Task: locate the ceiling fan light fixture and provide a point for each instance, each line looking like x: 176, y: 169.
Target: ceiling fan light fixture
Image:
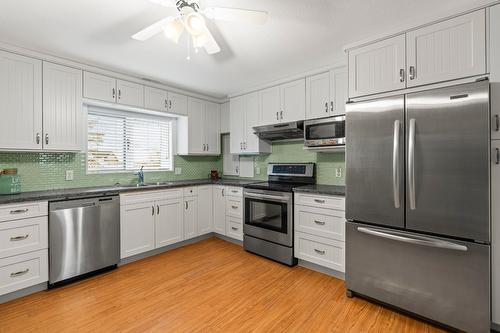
x: 195, y: 23
x: 200, y: 40
x: 173, y: 30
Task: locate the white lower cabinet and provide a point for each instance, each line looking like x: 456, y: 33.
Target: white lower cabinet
x: 234, y: 228
x: 137, y: 228
x: 190, y: 217
x: 234, y: 212
x: 219, y: 209
x: 169, y: 224
x: 205, y: 211
x: 24, y: 270
x: 320, y: 230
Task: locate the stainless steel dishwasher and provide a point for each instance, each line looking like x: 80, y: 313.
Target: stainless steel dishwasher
x: 84, y: 237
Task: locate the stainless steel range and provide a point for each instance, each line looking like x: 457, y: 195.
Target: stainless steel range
x: 268, y: 211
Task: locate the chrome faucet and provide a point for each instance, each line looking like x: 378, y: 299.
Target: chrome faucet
x: 140, y: 173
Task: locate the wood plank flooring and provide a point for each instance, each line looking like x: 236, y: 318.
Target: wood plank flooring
x: 210, y: 286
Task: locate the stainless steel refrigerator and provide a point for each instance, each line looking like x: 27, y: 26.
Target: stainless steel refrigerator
x: 418, y: 203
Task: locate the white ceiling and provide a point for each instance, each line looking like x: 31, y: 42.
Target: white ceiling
x: 299, y: 36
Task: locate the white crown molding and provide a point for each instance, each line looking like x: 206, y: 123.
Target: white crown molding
x: 99, y: 69
x: 422, y: 22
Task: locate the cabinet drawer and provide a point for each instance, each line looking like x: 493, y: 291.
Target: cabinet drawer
x: 234, y: 207
x: 17, y: 237
x: 234, y: 191
x: 320, y: 201
x: 190, y: 191
x: 319, y: 250
x: 23, y: 271
x: 149, y: 196
x: 234, y: 228
x: 23, y: 210
x: 321, y: 222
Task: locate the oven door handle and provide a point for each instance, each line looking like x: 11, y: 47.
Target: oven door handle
x: 267, y: 196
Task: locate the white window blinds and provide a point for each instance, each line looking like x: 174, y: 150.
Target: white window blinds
x: 125, y: 141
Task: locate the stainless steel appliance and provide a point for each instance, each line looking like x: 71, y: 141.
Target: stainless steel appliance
x: 268, y: 211
x: 283, y: 131
x: 325, y: 133
x: 418, y: 203
x: 84, y: 236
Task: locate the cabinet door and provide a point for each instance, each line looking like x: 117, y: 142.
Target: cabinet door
x: 178, y: 103
x: 63, y: 125
x: 236, y: 124
x: 494, y: 43
x: 318, y: 96
x: 219, y: 209
x: 100, y: 87
x: 130, y: 93
x: 155, y: 99
x: 338, y: 93
x: 169, y: 222
x: 20, y: 102
x: 252, y: 118
x: 377, y: 67
x: 137, y: 228
x: 196, y: 126
x: 190, y: 217
x: 230, y: 162
x: 224, y: 117
x: 293, y: 101
x: 205, y: 213
x: 449, y: 50
x: 271, y: 105
x: 495, y: 232
x: 212, y: 128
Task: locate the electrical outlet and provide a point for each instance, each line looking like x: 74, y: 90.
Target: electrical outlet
x: 257, y: 171
x: 69, y: 174
x: 178, y: 171
x: 338, y: 172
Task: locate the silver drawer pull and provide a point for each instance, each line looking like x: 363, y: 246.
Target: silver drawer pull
x: 234, y: 191
x: 234, y: 228
x: 19, y: 211
x: 319, y: 222
x: 234, y: 207
x: 319, y: 201
x: 319, y: 251
x: 16, y: 274
x: 18, y: 238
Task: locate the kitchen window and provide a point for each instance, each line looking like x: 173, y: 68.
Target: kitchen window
x: 124, y: 141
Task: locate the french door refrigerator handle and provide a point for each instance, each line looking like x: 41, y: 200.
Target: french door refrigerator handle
x: 421, y: 240
x: 395, y: 164
x: 411, y: 164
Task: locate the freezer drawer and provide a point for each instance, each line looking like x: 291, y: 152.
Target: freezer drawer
x: 444, y: 280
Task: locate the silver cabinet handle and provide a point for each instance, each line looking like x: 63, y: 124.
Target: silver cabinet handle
x: 319, y: 251
x: 187, y: 205
x: 222, y: 192
x: 326, y: 107
x: 331, y: 106
x: 241, y: 145
x: 166, y: 103
x: 277, y: 117
x: 413, y: 73
x: 395, y: 164
x: 497, y: 160
x: 152, y: 210
x: 281, y: 114
x: 113, y: 91
x: 319, y: 201
x: 319, y: 222
x: 19, y: 211
x: 411, y: 164
x: 119, y: 93
x: 234, y: 191
x: 234, y: 228
x: 497, y: 123
x: 208, y: 147
x: 18, y: 238
x: 237, y: 170
x: 417, y: 240
x: 401, y: 75
x: 37, y: 138
x: 16, y: 274
x: 170, y: 104
x: 234, y: 207
x: 158, y: 209
x: 47, y: 138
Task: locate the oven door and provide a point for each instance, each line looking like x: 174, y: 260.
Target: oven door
x: 324, y: 132
x: 268, y: 215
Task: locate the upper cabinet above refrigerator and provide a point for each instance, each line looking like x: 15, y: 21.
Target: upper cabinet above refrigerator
x: 448, y: 50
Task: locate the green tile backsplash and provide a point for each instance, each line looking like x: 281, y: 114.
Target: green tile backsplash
x: 45, y: 171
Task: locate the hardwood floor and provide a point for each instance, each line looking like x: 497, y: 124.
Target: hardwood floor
x: 211, y: 286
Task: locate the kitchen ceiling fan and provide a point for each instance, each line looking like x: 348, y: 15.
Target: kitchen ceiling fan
x: 191, y: 17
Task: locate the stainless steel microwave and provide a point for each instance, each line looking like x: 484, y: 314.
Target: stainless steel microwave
x: 325, y: 132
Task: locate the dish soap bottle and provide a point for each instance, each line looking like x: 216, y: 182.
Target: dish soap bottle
x: 10, y: 181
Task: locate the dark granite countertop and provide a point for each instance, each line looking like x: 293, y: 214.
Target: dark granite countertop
x: 72, y: 193
x: 321, y: 189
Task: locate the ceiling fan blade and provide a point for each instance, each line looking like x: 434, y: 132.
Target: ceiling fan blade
x: 153, y: 29
x: 211, y: 45
x: 234, y: 14
x: 165, y: 3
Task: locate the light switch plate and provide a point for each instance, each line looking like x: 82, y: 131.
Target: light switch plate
x: 338, y: 172
x: 257, y: 171
x: 178, y: 171
x: 69, y: 174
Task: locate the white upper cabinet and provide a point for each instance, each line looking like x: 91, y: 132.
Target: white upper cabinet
x: 63, y: 119
x: 252, y: 118
x: 326, y: 93
x: 452, y: 49
x: 271, y: 105
x: 196, y: 125
x: 177, y: 103
x: 155, y: 99
x: 211, y: 128
x: 236, y: 124
x: 230, y: 162
x: 224, y: 117
x: 205, y: 210
x: 99, y: 87
x: 20, y: 102
x: 130, y: 93
x: 495, y: 44
x: 377, y: 67
x: 293, y: 101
